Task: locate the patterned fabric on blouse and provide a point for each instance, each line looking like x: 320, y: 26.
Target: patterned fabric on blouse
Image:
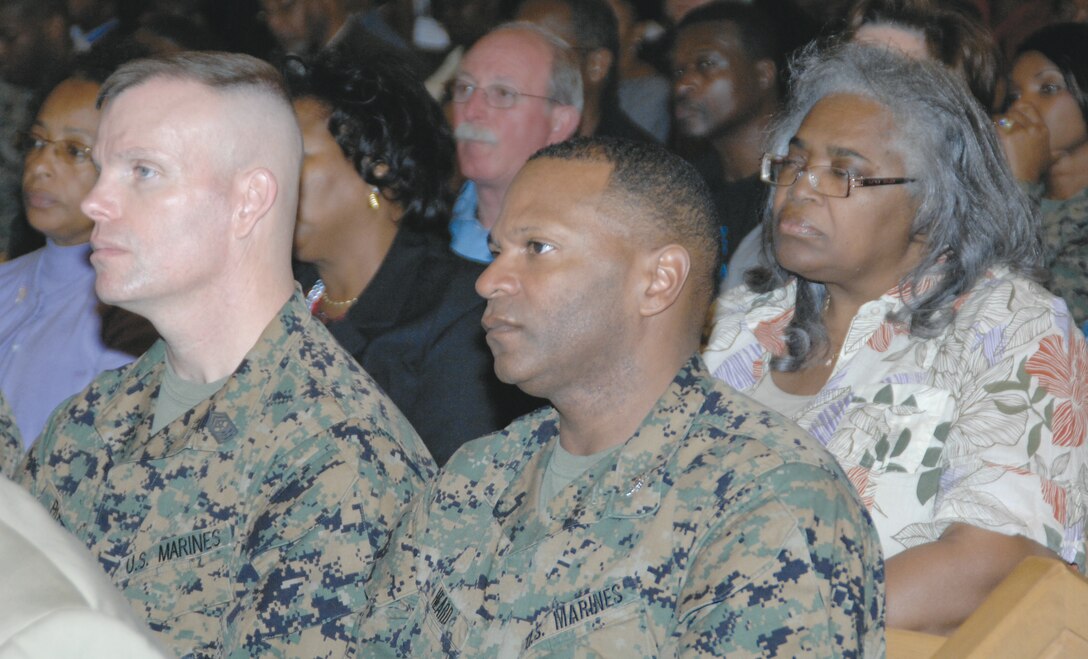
x: 984, y: 424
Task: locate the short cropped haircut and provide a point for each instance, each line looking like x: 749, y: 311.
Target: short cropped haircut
x: 217, y: 70
x: 386, y: 123
x: 565, y: 81
x: 755, y: 28
x: 971, y: 213
x: 658, y: 196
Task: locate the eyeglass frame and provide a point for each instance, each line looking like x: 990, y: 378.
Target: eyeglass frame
x: 487, y: 94
x: 853, y: 180
x: 73, y: 152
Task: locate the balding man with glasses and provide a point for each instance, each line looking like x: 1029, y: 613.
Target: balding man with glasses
x: 517, y: 90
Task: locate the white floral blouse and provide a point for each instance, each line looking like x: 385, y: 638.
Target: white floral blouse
x: 984, y: 424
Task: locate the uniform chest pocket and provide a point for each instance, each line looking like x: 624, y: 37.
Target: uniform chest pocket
x: 893, y: 427
x: 182, y: 586
x: 582, y: 628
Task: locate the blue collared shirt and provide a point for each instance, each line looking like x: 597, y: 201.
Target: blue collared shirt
x: 50, y: 332
x: 468, y: 237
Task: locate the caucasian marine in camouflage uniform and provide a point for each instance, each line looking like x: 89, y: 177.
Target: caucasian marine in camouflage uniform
x: 237, y: 481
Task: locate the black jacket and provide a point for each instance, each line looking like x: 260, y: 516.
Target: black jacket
x: 416, y: 330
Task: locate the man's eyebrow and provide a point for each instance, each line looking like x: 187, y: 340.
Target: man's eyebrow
x: 137, y: 152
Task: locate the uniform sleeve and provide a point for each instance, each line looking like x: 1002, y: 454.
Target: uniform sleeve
x: 1015, y: 460
x: 11, y: 442
x: 792, y: 568
x: 394, y: 614
x: 31, y: 472
x: 310, y: 551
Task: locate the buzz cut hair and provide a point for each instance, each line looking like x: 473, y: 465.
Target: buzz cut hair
x: 657, y: 196
x: 221, y: 71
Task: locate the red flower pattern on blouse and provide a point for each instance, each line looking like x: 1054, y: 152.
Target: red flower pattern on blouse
x: 859, y: 478
x: 771, y: 333
x: 1055, y: 495
x: 881, y: 339
x: 1054, y: 366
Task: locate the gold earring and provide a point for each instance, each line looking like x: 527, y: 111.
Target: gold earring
x: 373, y: 198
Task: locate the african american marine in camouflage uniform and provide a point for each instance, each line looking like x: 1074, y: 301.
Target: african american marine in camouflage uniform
x: 651, y: 511
x: 236, y: 481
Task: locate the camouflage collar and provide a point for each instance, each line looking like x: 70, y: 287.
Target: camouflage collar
x: 125, y: 422
x: 626, y: 485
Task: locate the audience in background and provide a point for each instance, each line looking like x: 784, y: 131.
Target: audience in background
x: 726, y: 86
x: 642, y: 90
x: 34, y: 46
x: 52, y: 334
x: 465, y: 21
x: 34, y: 50
x: 518, y: 89
x: 304, y: 27
x: 165, y: 34
x: 1045, y: 135
x: 901, y: 325
x: 676, y: 10
x: 589, y: 27
x: 945, y: 32
x: 372, y: 233
x: 91, y: 20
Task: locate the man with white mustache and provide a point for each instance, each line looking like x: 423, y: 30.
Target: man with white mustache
x: 517, y: 90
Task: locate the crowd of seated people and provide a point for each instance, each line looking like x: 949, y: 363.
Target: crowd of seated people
x: 412, y: 329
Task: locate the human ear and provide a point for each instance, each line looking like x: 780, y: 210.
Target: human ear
x: 565, y: 119
x: 258, y: 190
x: 766, y: 74
x: 668, y: 268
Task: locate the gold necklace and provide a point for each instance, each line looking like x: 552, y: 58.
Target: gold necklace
x: 338, y: 304
x: 318, y: 302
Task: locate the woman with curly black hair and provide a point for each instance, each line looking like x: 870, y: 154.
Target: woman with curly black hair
x: 371, y: 239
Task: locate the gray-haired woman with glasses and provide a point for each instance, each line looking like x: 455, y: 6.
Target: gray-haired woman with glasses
x: 898, y: 319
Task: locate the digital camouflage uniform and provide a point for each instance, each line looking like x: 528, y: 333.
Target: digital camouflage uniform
x: 248, y: 526
x: 1065, y: 230
x: 11, y: 443
x: 719, y: 529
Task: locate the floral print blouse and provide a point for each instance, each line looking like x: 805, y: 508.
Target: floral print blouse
x: 984, y: 424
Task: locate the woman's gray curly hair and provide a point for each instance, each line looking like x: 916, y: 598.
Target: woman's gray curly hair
x: 972, y: 214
